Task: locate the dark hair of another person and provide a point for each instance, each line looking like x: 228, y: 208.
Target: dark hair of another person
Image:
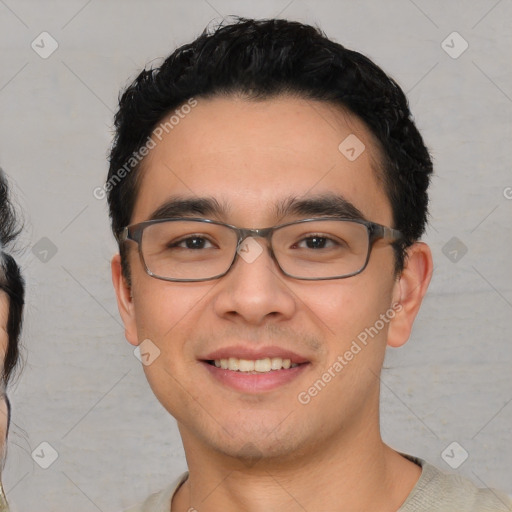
x: 11, y: 280
x: 260, y: 59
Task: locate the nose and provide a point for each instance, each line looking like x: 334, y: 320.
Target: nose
x: 254, y: 291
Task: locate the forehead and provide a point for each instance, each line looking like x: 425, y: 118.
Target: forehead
x: 252, y: 155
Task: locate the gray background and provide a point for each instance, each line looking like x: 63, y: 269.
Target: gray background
x: 83, y: 391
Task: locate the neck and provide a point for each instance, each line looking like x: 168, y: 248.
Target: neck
x: 353, y: 471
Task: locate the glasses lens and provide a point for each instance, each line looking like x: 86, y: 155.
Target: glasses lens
x: 321, y: 249
x: 188, y: 249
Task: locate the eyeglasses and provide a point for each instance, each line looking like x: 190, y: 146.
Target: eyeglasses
x: 196, y: 249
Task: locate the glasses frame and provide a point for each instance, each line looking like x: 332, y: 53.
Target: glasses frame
x: 375, y: 232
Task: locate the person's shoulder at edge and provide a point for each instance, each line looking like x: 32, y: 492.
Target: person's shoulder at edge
x: 446, y: 492
x: 160, y: 501
x: 435, y: 491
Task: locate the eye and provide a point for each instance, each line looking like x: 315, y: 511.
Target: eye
x: 317, y: 242
x: 193, y: 242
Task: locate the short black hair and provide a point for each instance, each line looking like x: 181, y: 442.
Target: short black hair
x: 261, y: 59
x: 11, y: 279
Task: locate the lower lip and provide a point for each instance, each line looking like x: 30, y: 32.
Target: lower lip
x: 253, y: 383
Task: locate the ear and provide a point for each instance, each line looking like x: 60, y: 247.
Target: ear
x: 408, y: 292
x: 124, y: 301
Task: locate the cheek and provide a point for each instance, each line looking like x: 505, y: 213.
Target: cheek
x: 167, y: 315
x: 347, y: 307
x: 167, y: 311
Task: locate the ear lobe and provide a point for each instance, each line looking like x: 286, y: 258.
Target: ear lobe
x: 124, y: 301
x: 409, y: 291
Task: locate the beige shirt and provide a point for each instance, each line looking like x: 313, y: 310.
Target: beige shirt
x: 435, y: 491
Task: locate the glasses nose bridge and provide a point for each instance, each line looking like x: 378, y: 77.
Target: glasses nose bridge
x: 244, y: 233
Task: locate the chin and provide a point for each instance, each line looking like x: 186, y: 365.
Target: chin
x: 253, y: 451
x: 254, y: 443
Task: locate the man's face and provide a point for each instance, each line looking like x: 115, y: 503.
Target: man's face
x: 252, y: 157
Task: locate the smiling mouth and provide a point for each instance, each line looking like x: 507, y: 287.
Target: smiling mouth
x: 253, y: 366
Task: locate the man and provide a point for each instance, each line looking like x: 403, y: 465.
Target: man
x: 268, y: 190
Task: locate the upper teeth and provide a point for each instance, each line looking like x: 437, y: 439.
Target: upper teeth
x: 258, y: 365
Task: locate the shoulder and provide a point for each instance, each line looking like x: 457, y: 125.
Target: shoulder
x: 160, y: 501
x: 444, y: 492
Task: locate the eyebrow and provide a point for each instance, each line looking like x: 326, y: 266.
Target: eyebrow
x: 324, y: 205
x: 178, y: 206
